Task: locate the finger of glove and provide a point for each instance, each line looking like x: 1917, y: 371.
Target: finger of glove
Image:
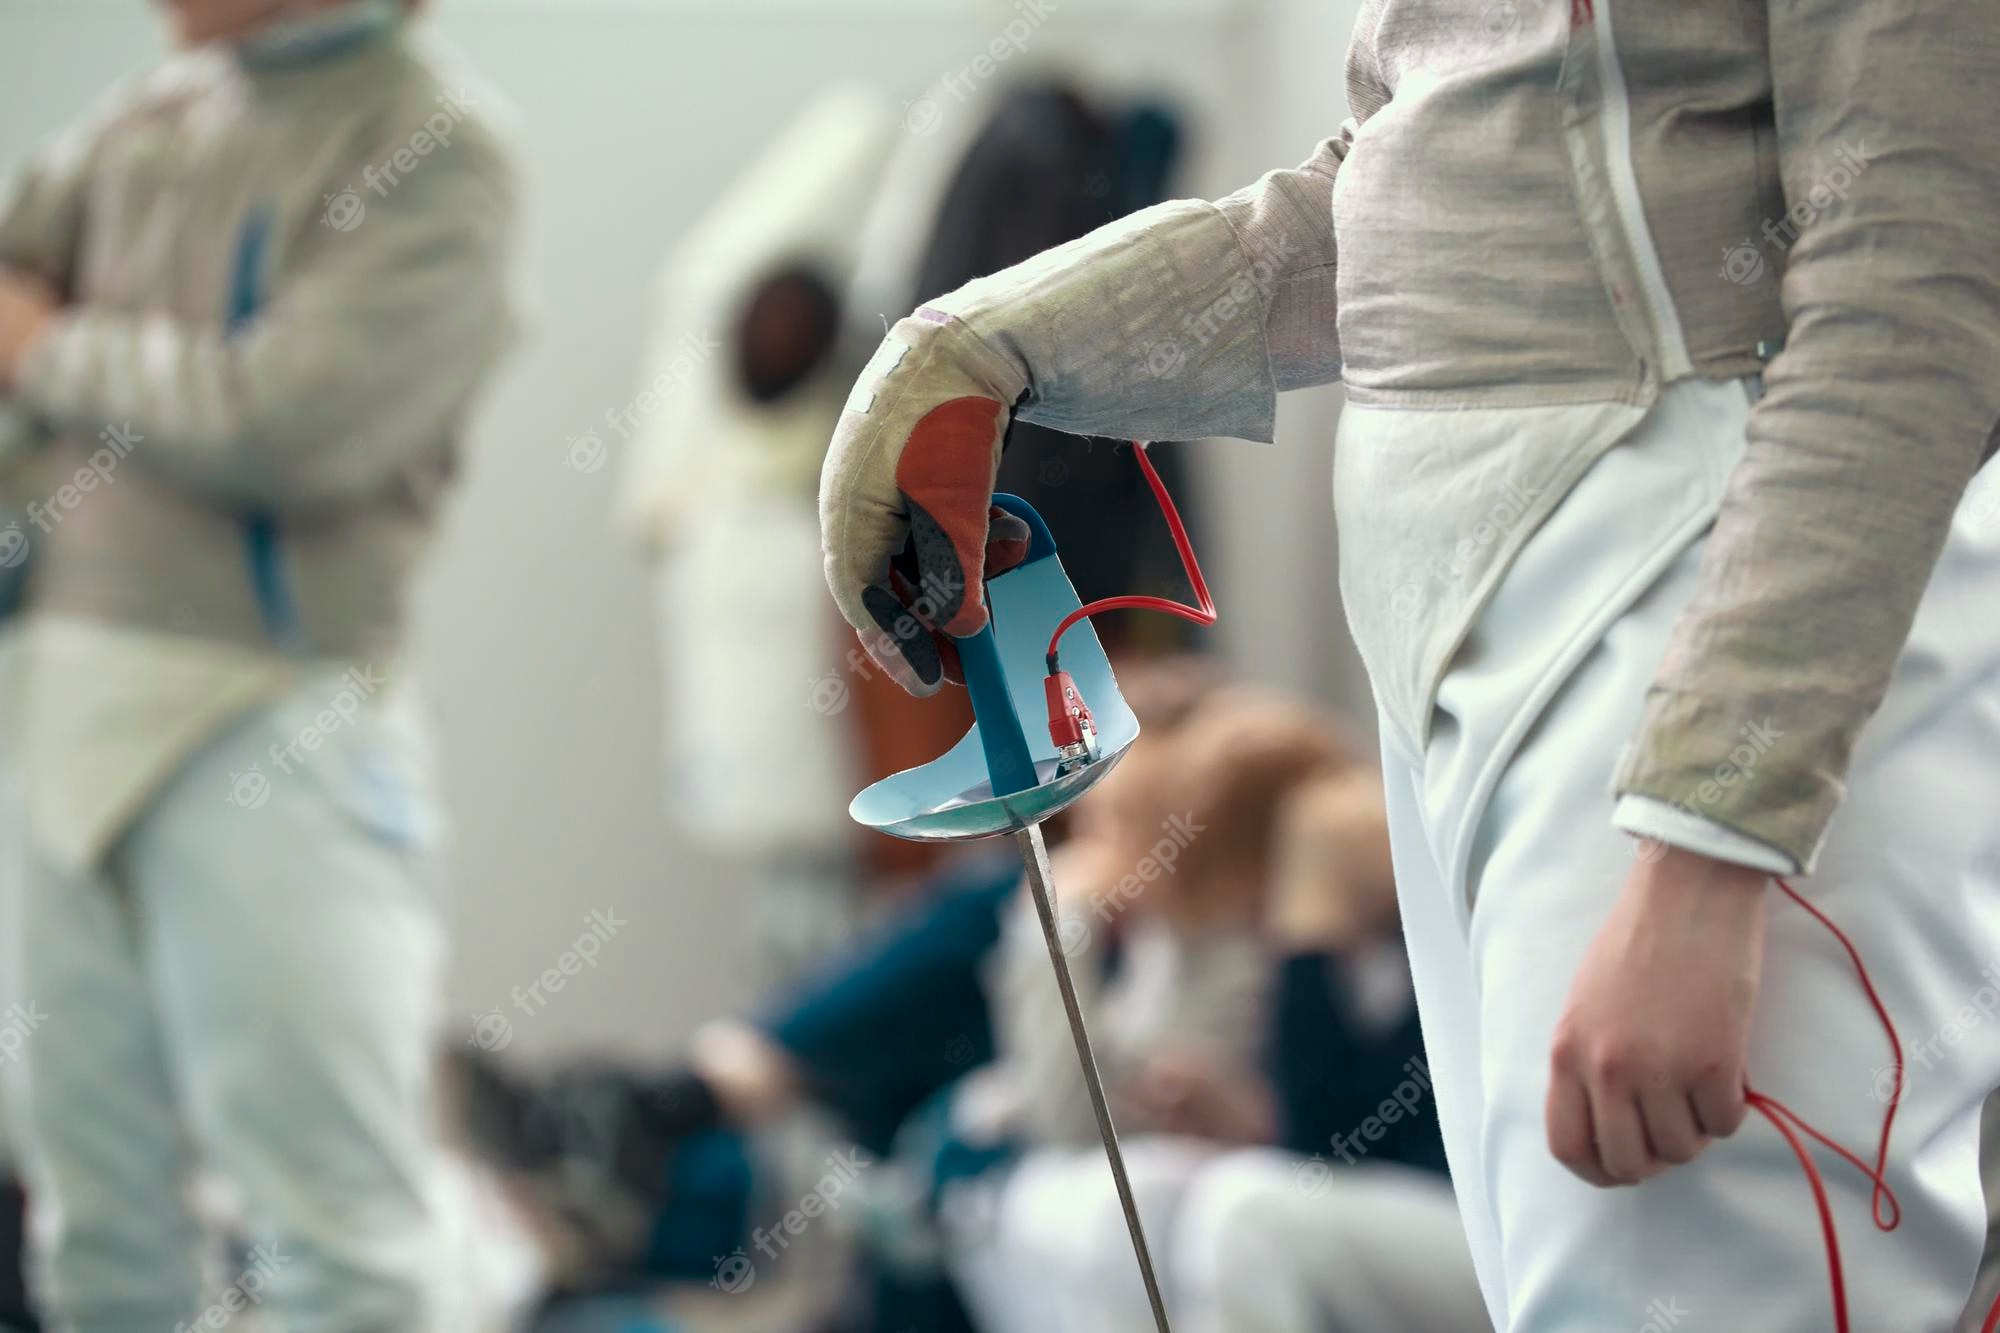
x: 900, y: 642
x: 1007, y: 541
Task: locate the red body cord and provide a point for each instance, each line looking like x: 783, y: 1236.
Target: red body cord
x: 1789, y: 1123
x: 1785, y: 1120
x: 1202, y: 613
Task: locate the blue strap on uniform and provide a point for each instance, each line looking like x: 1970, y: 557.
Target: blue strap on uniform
x: 263, y: 548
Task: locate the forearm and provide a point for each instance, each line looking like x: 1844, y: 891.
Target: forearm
x: 356, y: 364
x: 277, y: 417
x: 1183, y: 320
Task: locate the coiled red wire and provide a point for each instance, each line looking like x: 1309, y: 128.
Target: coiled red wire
x: 1202, y: 613
x: 1884, y: 1209
x: 1790, y: 1124
x: 1786, y: 1121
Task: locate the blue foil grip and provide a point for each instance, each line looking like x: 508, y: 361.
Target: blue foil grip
x: 1005, y: 744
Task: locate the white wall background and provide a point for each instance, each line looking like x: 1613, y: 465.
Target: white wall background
x: 538, y: 643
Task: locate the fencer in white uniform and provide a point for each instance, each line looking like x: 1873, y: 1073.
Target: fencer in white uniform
x: 246, y: 304
x: 1668, y: 338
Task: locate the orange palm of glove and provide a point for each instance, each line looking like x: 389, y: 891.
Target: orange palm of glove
x: 958, y: 538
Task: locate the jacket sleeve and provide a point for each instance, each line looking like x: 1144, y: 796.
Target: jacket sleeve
x: 1180, y: 321
x: 42, y: 204
x: 365, y: 354
x: 41, y: 232
x: 1877, y: 413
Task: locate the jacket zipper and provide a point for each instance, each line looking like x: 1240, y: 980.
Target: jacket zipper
x: 1669, y: 341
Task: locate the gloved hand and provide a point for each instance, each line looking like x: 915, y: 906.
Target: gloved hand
x: 1088, y: 338
x: 906, y: 496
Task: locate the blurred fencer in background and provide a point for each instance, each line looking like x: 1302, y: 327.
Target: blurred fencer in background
x: 244, y: 307
x: 1257, y: 1011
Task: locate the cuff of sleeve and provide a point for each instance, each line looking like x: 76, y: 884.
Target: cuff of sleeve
x: 1765, y: 773
x: 1657, y: 822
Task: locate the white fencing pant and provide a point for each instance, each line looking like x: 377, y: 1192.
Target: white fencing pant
x: 1243, y: 1241
x: 1042, y: 1247
x: 1507, y: 865
x: 1270, y: 1243
x: 253, y: 983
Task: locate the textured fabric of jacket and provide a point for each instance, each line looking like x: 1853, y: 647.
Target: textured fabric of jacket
x: 1540, y: 204
x: 286, y: 284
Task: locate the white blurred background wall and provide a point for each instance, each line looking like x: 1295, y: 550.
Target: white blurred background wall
x: 537, y: 640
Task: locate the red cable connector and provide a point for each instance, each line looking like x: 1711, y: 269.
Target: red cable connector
x: 1070, y: 723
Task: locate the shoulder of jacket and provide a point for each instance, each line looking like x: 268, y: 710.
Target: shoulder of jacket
x: 159, y: 91
x: 432, y: 79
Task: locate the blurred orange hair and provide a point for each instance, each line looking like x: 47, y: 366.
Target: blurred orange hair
x: 1240, y: 757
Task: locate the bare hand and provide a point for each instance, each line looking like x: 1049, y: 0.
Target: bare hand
x: 27, y: 306
x: 1651, y: 1053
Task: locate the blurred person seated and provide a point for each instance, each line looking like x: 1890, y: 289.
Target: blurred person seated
x: 640, y: 1176
x: 1333, y: 1214
x: 884, y: 1037
x: 1165, y: 892
x: 1349, y: 1226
